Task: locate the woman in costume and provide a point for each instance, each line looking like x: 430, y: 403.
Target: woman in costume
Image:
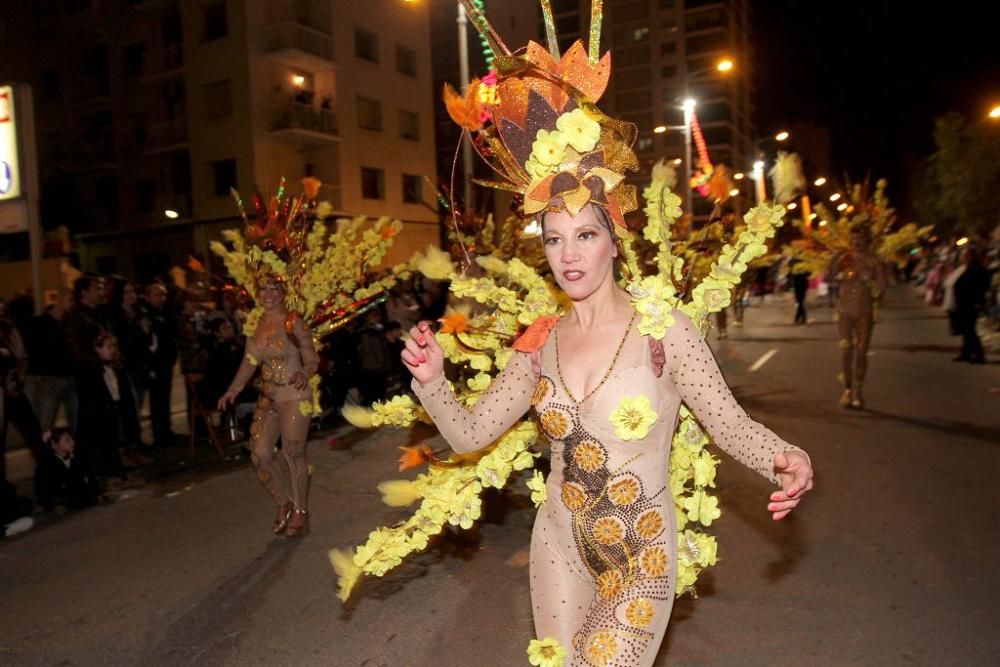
x: 283, y: 349
x: 861, y: 278
x: 604, y: 546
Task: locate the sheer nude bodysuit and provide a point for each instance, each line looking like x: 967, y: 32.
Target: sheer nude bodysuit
x: 860, y: 276
x: 280, y: 357
x: 604, y: 544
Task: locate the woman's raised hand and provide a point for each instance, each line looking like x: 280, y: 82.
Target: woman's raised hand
x: 796, y: 476
x: 422, y: 354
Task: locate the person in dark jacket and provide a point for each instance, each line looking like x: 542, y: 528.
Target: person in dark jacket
x: 970, y: 300
x: 163, y: 356
x: 62, y: 477
x: 107, y: 412
x: 50, y: 382
x: 86, y: 320
x: 133, y: 331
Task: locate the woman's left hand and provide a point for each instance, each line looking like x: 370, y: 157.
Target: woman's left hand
x: 796, y: 476
x: 299, y: 380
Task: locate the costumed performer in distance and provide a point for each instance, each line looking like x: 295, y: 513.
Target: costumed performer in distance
x: 283, y: 349
x: 604, y: 544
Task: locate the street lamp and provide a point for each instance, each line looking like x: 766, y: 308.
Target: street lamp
x: 842, y: 207
x: 725, y: 65
x: 739, y: 175
x: 734, y: 192
x: 173, y: 215
x: 659, y: 129
x: 819, y: 181
x: 995, y: 112
x: 792, y: 206
x: 689, y: 105
x: 781, y: 136
x: 835, y: 196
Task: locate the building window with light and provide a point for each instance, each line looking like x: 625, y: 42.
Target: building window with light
x: 412, y: 189
x: 223, y: 176
x: 215, y: 21
x: 372, y: 183
x: 409, y: 125
x: 366, y: 45
x: 369, y: 114
x: 406, y: 61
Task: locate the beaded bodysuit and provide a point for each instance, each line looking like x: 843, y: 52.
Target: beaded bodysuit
x: 604, y: 544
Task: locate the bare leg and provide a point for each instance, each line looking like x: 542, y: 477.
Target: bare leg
x: 263, y: 436
x: 294, y: 435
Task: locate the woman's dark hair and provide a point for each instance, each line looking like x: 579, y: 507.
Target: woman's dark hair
x: 618, y: 264
x: 54, y: 435
x: 118, y: 285
x: 83, y: 284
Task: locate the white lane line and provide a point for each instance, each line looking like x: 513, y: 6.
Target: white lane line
x: 763, y: 360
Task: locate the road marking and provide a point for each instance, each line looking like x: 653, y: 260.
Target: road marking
x: 763, y: 360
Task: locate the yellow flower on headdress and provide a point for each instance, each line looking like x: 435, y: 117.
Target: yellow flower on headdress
x: 633, y: 418
x: 537, y: 170
x: 548, y: 147
x: 580, y: 130
x: 539, y: 494
x: 702, y: 507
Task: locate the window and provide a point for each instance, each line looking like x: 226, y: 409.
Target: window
x: 644, y: 145
x: 216, y: 23
x: 406, y: 61
x: 715, y: 41
x: 668, y: 25
x: 180, y: 173
x: 170, y: 30
x: 366, y: 45
x: 145, y: 196
x: 639, y: 99
x: 372, y: 183
x: 637, y: 55
x: 369, y: 114
x: 412, y: 189
x: 713, y: 18
x: 135, y: 56
x: 632, y: 12
x: 632, y: 78
x: 668, y: 48
x: 409, y: 125
x: 223, y: 176
x: 218, y: 99
x: 668, y: 72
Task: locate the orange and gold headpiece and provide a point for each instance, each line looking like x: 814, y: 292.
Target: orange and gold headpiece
x: 535, y: 122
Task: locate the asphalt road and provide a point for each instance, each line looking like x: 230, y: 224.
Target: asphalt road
x: 890, y: 561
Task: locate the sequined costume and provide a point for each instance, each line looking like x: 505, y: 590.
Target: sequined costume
x: 861, y: 278
x: 279, y: 411
x: 603, y: 549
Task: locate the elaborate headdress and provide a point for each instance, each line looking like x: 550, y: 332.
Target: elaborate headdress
x: 535, y: 122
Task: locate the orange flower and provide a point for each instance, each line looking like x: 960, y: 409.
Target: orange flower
x: 624, y: 491
x: 541, y: 389
x: 416, y: 456
x: 573, y: 496
x: 589, y: 455
x: 608, y: 531
x: 639, y: 613
x: 454, y: 323
x: 654, y: 561
x: 311, y: 186
x: 649, y: 524
x: 466, y: 111
x: 195, y: 265
x: 609, y: 584
x: 388, y: 232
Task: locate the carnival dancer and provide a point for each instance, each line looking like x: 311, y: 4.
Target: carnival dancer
x: 861, y: 278
x: 604, y: 545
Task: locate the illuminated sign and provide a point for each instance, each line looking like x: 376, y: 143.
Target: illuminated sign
x: 10, y: 181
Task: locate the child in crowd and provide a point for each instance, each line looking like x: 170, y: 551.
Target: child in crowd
x: 62, y: 477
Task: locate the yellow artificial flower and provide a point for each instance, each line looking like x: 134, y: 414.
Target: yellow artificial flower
x: 589, y: 455
x: 305, y: 408
x: 649, y: 524
x: 537, y: 170
x: 602, y: 648
x: 494, y: 471
x: 702, y: 507
x: 398, y: 492
x: 579, y: 130
x: 652, y: 297
x: 639, y: 613
x: 704, y: 470
x: 492, y: 264
x: 763, y: 219
x: 383, y: 551
x: 347, y: 572
x: 608, y: 531
x: 480, y: 382
x: 696, y: 548
x: 399, y: 411
x: 548, y: 148
x: 633, y: 418
x: 539, y: 493
x: 252, y: 360
x: 686, y: 576
x: 546, y: 653
x: 712, y: 295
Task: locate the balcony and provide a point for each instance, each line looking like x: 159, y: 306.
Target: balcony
x: 306, y: 124
x: 299, y: 46
x: 166, y: 136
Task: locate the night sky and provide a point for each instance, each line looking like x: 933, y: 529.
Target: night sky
x: 876, y: 73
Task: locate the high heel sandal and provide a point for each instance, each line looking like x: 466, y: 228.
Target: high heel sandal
x: 281, y: 520
x: 298, y: 523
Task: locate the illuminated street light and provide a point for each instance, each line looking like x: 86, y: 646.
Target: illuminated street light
x: 734, y: 192
x: 298, y: 80
x: 835, y: 196
x: 822, y: 223
x: 995, y: 112
x: 819, y: 181
x: 962, y: 241
x: 659, y: 129
x: 758, y: 165
x: 725, y: 65
x: 812, y: 216
x: 738, y: 176
x: 689, y: 104
x: 678, y: 162
x: 842, y: 207
x: 792, y: 206
x: 781, y: 136
x: 173, y: 215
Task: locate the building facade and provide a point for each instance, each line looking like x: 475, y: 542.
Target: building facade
x: 148, y: 111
